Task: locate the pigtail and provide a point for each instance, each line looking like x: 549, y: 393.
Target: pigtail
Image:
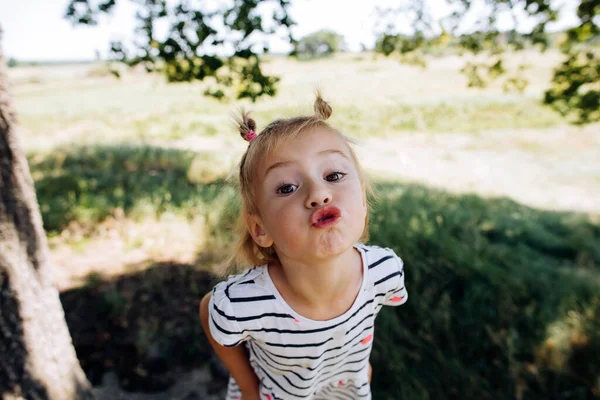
x: 322, y: 109
x: 245, y: 125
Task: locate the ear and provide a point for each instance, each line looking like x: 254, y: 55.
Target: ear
x: 257, y: 231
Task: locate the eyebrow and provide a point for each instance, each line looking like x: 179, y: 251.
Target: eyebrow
x: 333, y: 151
x: 323, y: 152
x: 276, y: 165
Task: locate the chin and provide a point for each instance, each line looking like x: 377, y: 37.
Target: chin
x: 332, y: 243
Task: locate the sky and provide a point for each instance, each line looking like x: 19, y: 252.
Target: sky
x: 35, y: 30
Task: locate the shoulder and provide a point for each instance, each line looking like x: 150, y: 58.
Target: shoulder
x: 240, y: 291
x: 234, y: 304
x: 380, y: 259
x: 386, y: 274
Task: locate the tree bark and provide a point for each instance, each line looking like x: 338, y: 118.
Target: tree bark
x: 37, y: 358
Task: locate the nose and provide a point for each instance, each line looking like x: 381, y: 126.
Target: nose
x: 318, y: 196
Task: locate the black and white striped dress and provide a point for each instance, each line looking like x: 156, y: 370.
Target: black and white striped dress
x: 296, y: 357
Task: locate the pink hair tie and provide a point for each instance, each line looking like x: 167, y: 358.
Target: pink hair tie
x: 250, y: 135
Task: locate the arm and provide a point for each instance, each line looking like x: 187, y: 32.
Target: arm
x: 234, y: 358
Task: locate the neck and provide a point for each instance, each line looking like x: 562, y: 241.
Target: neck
x: 319, y: 282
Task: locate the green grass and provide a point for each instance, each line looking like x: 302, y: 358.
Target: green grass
x: 86, y: 184
x: 504, y: 299
x: 490, y: 282
x: 468, y: 116
x: 462, y: 116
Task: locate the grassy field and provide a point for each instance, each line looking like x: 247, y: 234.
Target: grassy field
x: 505, y: 297
x: 371, y: 96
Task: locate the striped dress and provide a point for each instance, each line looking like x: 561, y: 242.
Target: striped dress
x: 298, y: 358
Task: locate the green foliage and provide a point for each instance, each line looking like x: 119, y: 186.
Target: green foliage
x: 503, y: 302
x: 516, y: 84
x: 479, y: 75
x: 410, y: 48
x: 318, y: 44
x: 575, y: 83
x: 12, y: 63
x: 576, y: 87
x: 471, y: 71
x: 387, y: 44
x: 195, y: 35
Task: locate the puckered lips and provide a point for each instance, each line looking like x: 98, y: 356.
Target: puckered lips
x: 325, y: 217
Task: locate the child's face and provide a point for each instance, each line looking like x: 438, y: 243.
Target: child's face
x: 310, y: 199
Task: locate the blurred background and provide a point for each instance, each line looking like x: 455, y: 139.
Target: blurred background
x: 477, y: 121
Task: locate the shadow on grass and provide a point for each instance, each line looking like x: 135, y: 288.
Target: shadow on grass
x: 505, y: 299
x: 143, y: 326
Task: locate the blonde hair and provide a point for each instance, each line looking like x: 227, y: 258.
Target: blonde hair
x: 247, y: 252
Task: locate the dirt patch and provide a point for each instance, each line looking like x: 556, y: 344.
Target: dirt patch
x: 119, y: 245
x: 554, y: 169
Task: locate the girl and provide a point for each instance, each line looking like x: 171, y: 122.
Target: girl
x: 299, y: 324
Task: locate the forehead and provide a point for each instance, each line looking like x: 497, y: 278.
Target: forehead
x: 316, y: 142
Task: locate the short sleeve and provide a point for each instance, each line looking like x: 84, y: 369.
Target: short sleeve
x: 223, y: 323
x: 396, y: 293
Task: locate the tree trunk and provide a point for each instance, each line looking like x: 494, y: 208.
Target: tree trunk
x: 37, y: 358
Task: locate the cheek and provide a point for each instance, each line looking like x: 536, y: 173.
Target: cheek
x: 356, y: 203
x: 283, y: 220
x: 287, y: 232
x: 354, y: 194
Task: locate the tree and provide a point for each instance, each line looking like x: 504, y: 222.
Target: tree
x: 37, y: 358
x: 575, y: 86
x: 319, y: 44
x: 202, y: 43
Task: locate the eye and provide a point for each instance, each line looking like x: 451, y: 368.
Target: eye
x: 335, y: 176
x: 286, y: 189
